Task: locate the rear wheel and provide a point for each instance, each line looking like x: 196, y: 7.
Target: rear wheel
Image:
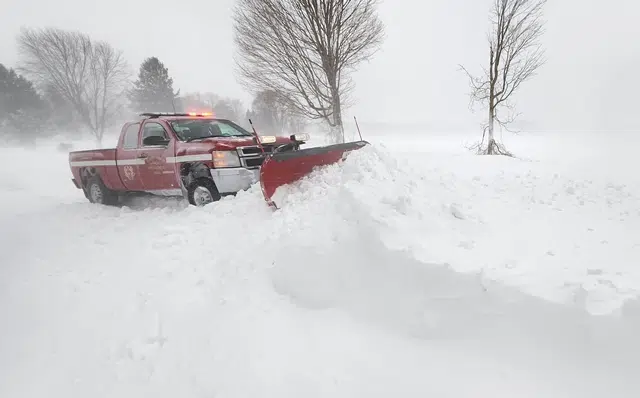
x: 202, y: 191
x: 97, y: 192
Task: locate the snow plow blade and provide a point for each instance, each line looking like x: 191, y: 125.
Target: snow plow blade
x: 284, y: 166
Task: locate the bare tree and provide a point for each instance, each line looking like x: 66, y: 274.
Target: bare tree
x: 303, y: 50
x: 515, y: 54
x: 91, y: 76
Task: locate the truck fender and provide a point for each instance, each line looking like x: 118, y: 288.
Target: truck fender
x: 193, y: 171
x: 86, y: 173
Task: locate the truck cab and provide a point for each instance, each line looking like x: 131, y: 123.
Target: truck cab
x: 196, y: 156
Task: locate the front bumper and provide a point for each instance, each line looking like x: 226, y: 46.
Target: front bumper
x: 235, y: 179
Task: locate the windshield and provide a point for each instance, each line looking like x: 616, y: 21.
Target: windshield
x: 194, y: 129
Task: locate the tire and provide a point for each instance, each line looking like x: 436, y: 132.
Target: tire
x: 98, y: 193
x: 202, y: 192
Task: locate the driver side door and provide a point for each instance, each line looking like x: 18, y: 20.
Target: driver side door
x: 156, y: 173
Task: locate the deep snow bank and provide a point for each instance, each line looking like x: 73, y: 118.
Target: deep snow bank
x: 342, y: 292
x: 562, y: 236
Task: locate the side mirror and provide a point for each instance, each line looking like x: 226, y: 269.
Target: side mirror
x: 155, y: 140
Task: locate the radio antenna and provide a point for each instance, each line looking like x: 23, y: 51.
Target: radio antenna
x: 255, y: 133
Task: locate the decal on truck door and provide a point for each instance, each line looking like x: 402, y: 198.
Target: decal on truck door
x: 129, y: 173
x: 156, y: 163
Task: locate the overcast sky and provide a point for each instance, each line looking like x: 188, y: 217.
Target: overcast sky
x: 590, y: 81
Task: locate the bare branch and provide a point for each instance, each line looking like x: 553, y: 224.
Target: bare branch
x: 515, y: 55
x: 90, y: 75
x: 304, y: 50
x: 275, y: 114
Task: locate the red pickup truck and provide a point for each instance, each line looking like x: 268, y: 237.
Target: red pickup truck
x: 195, y: 156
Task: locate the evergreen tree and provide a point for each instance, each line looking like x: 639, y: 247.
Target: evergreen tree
x: 153, y: 91
x: 23, y: 112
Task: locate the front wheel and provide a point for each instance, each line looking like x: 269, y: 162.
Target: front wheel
x: 202, y: 192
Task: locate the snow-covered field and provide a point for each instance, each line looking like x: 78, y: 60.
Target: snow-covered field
x: 414, y: 269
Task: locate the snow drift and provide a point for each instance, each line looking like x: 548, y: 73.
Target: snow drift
x: 385, y: 275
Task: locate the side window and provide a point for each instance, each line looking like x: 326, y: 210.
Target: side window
x: 153, y: 129
x: 131, y: 137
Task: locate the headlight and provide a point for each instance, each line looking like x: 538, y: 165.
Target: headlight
x: 225, y: 159
x: 300, y: 137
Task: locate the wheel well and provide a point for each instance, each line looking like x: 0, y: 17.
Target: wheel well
x: 86, y: 174
x: 189, y: 172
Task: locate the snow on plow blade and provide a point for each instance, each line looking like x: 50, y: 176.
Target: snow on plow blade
x: 282, y: 168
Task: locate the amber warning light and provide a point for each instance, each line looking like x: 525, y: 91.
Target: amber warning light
x: 200, y: 114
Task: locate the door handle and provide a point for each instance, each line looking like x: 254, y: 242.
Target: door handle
x: 143, y: 156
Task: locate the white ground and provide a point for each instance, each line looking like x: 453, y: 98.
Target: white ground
x: 413, y: 270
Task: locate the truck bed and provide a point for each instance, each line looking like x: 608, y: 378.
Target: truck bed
x: 92, y: 155
x: 97, y: 159
x: 106, y: 150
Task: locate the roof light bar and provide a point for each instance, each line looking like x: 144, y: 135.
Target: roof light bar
x: 200, y: 114
x: 159, y: 114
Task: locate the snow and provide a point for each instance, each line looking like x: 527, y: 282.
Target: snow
x: 412, y: 269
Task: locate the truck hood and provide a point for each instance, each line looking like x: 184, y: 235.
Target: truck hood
x: 229, y: 143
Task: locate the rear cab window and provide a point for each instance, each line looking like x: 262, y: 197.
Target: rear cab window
x: 130, y: 140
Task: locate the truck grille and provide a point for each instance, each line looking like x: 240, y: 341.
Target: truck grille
x: 254, y: 162
x: 252, y: 156
x: 254, y: 150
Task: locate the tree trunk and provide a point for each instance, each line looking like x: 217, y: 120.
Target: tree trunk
x: 337, y: 130
x: 97, y: 137
x: 491, y: 143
